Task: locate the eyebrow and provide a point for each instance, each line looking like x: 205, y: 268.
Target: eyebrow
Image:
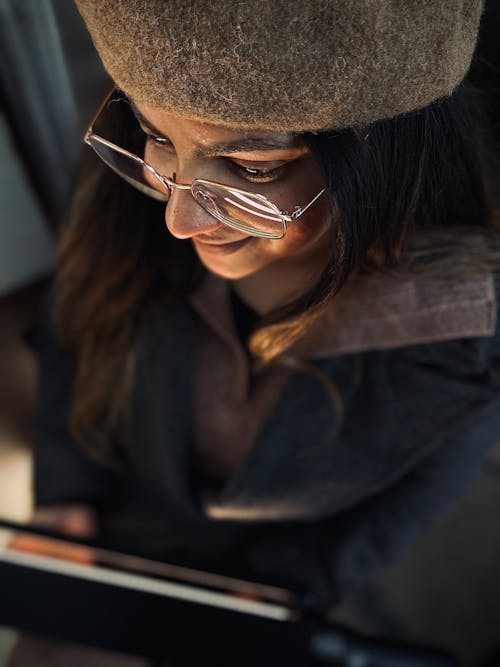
x: 241, y: 145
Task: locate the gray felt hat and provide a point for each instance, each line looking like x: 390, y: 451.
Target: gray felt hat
x: 289, y: 65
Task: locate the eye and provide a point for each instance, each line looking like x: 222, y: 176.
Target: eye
x: 255, y: 175
x: 158, y: 141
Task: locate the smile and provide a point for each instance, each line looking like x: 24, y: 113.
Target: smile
x: 221, y: 248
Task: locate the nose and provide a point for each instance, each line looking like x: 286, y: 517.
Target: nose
x: 185, y: 218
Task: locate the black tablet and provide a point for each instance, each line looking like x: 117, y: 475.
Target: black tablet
x: 67, y: 590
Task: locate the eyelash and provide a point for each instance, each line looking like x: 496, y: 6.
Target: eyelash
x: 257, y: 175
x: 247, y: 173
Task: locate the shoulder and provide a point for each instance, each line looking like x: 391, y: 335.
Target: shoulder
x: 394, y: 311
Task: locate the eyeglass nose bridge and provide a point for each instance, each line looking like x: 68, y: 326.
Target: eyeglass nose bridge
x: 197, y: 194
x: 170, y: 182
x: 171, y: 185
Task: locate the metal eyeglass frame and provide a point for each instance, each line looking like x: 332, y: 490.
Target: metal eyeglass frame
x: 171, y: 184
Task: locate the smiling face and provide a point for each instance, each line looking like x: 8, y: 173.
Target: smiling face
x: 276, y: 165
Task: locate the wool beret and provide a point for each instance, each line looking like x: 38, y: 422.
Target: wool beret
x: 287, y: 65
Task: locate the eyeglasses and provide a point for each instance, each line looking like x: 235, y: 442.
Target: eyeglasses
x: 242, y: 210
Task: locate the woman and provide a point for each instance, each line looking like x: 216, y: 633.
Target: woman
x: 302, y: 370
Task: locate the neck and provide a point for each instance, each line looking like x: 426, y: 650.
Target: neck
x: 279, y: 284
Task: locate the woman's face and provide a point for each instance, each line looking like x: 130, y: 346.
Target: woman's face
x: 274, y: 164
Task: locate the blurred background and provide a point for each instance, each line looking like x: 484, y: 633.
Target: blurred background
x: 51, y: 82
x: 446, y: 592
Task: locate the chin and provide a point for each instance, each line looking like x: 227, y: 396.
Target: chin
x: 229, y: 263
x: 227, y: 271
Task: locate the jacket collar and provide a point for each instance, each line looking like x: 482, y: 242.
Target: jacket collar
x: 384, y: 311
x: 377, y: 311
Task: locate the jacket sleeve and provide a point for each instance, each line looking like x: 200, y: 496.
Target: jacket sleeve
x: 62, y: 471
x: 344, y: 551
x: 378, y: 531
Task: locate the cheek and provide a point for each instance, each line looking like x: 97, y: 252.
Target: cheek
x: 316, y: 223
x: 310, y: 232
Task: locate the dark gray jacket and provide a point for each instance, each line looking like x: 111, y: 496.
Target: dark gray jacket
x: 319, y: 503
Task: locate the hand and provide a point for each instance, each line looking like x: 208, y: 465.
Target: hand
x: 75, y: 519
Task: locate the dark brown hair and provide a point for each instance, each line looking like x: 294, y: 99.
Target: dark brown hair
x: 425, y: 175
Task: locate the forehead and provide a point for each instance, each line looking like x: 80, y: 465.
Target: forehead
x: 205, y: 132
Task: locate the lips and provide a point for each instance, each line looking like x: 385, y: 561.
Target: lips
x: 214, y: 241
x: 221, y: 247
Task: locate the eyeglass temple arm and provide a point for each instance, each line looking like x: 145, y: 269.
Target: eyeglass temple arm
x: 90, y: 129
x: 300, y: 211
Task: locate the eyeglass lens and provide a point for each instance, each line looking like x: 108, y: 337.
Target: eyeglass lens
x: 244, y: 208
x: 130, y: 169
x: 240, y: 210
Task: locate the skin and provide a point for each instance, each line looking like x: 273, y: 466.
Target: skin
x: 266, y: 273
x: 75, y: 519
